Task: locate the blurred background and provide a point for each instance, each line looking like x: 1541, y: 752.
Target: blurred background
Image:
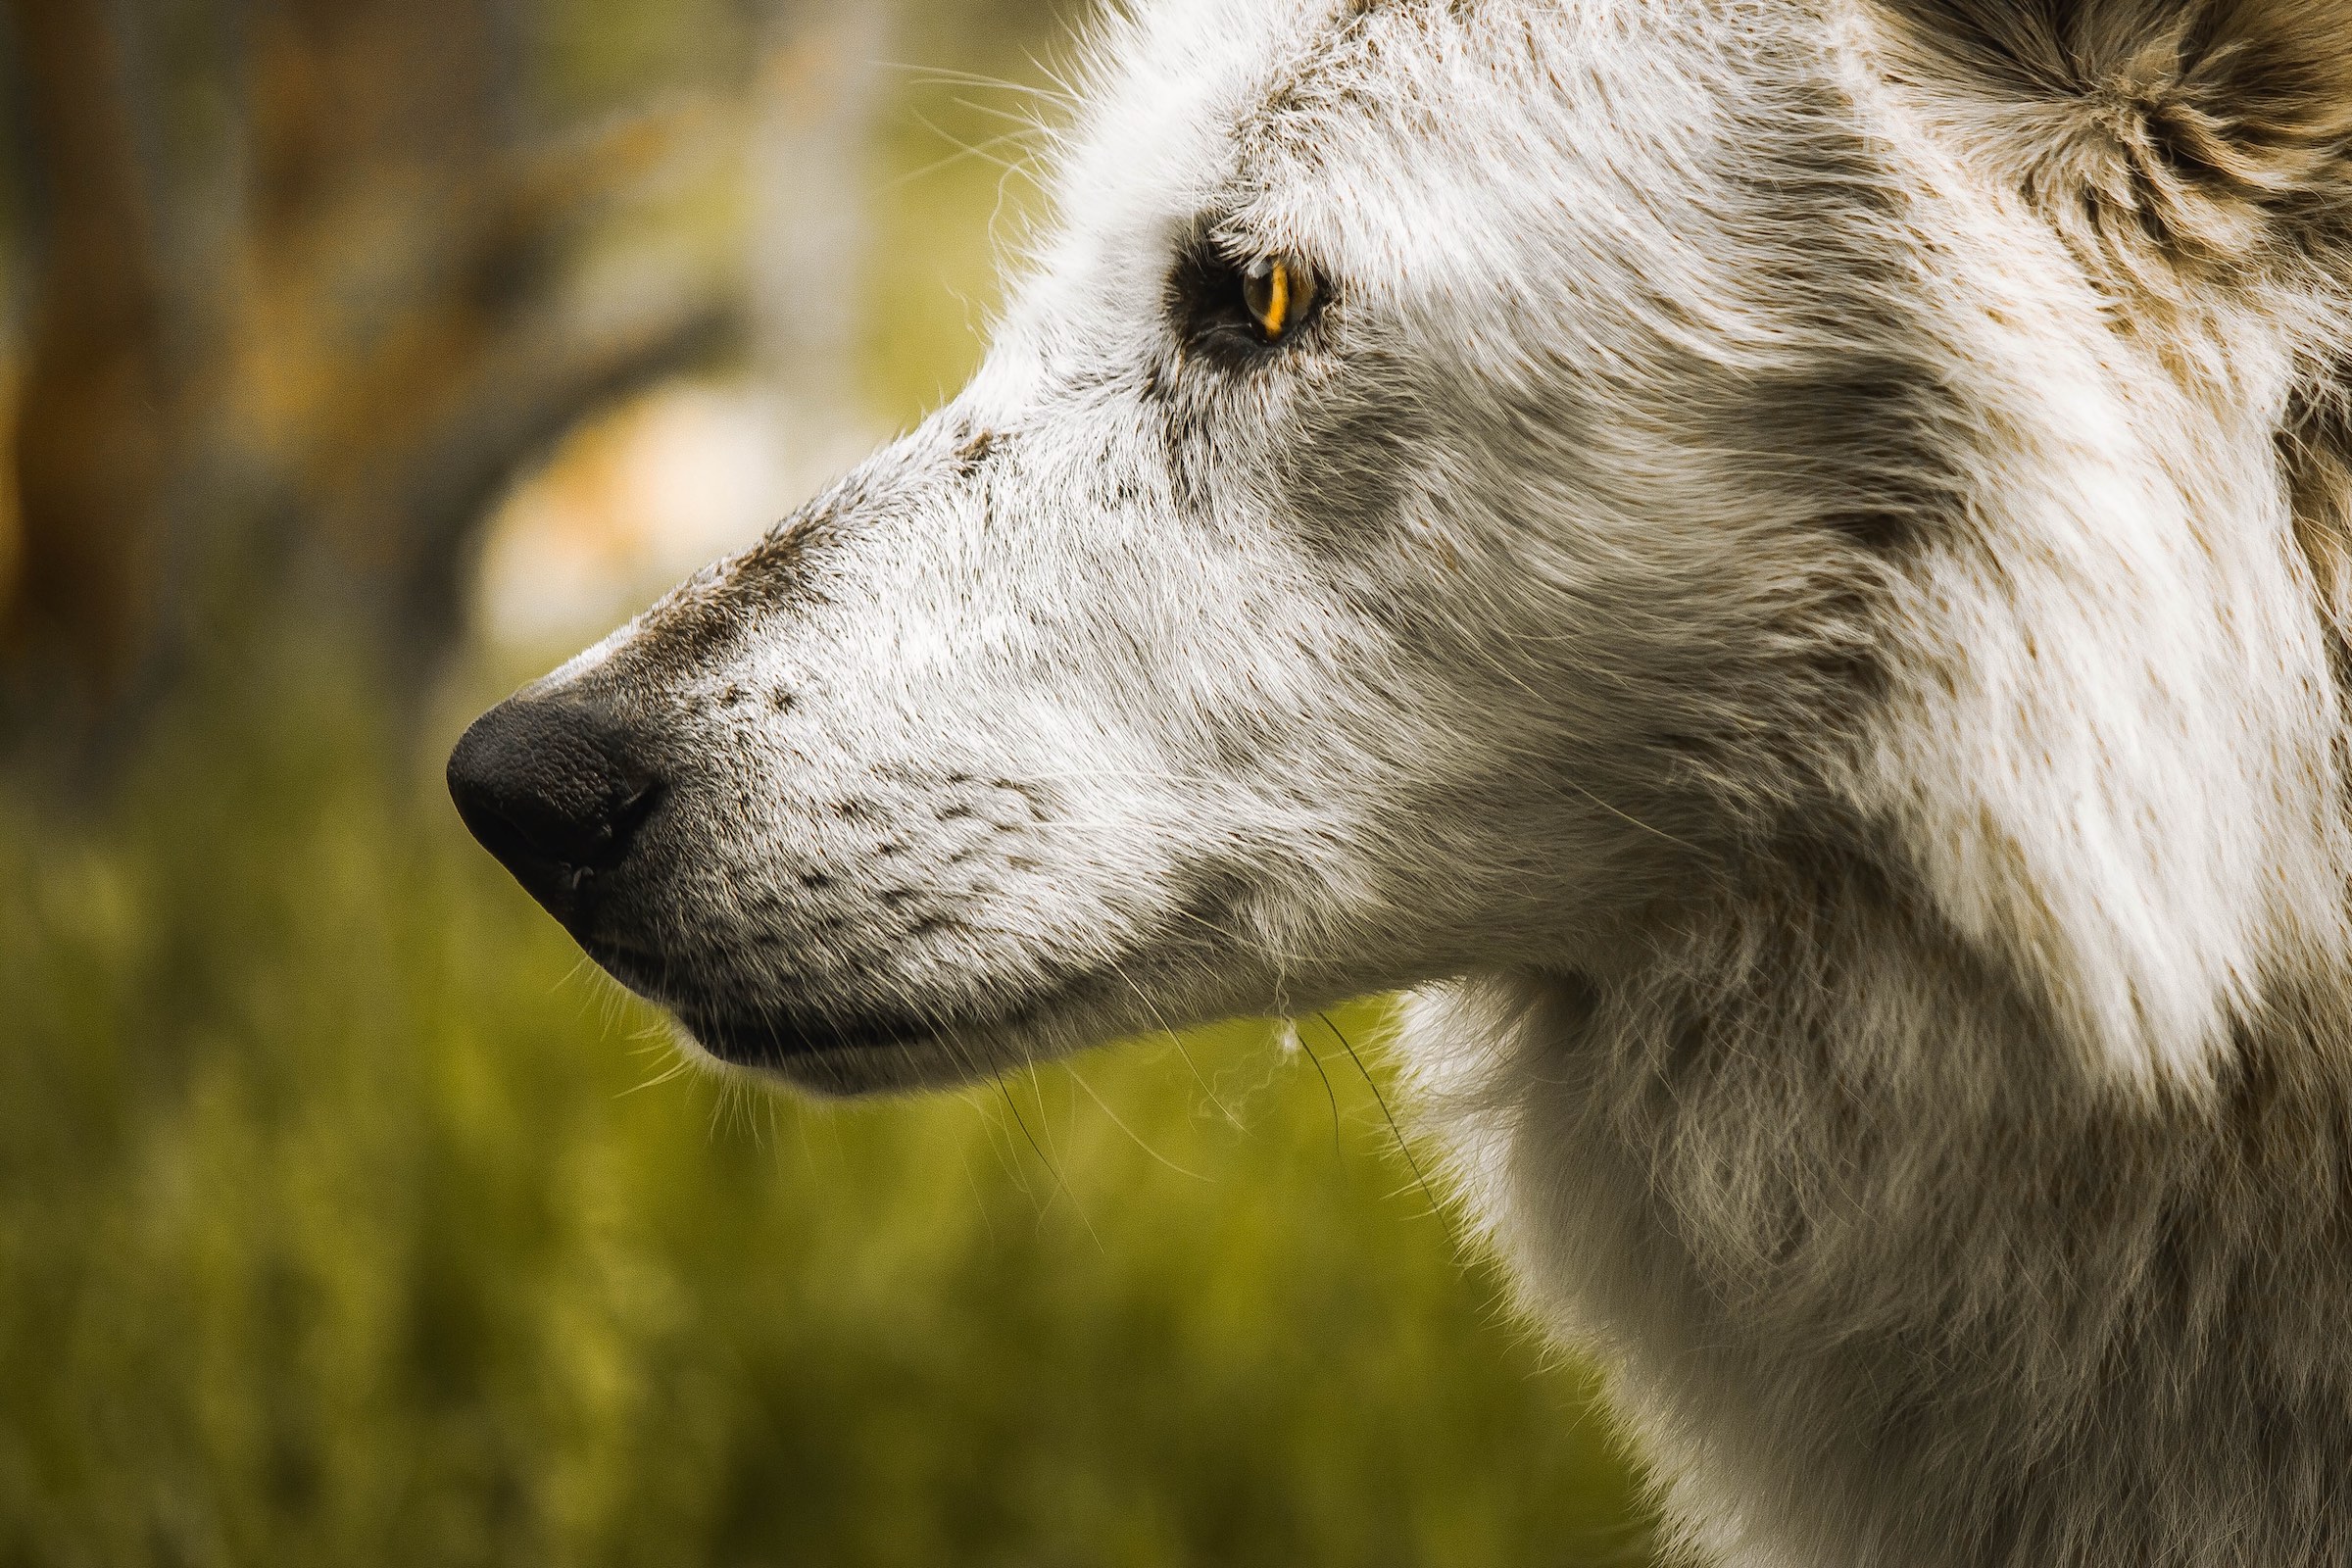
x: 358, y: 360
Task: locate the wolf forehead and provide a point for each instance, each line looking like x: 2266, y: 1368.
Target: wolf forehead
x: 1223, y: 103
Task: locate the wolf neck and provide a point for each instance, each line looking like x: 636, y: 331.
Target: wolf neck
x: 1891, y: 1273
x: 1973, y: 1186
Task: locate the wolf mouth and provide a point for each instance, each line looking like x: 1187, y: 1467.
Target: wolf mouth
x: 755, y: 1034
x: 771, y: 1038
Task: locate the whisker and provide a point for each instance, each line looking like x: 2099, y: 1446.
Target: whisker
x: 677, y: 1068
x: 1044, y: 1158
x: 971, y: 1179
x: 1027, y: 124
x: 962, y: 152
x: 1402, y: 1148
x: 1176, y: 1040
x: 948, y: 77
x: 1077, y: 1078
x: 973, y: 149
x: 1329, y: 1092
x: 579, y: 963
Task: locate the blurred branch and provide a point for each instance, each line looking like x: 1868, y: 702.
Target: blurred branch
x: 389, y: 316
x: 389, y: 333
x: 405, y: 451
x: 543, y: 387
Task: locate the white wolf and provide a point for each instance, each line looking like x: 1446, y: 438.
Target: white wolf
x: 1782, y: 561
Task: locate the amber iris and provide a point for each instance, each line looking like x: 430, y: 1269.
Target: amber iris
x: 1277, y: 294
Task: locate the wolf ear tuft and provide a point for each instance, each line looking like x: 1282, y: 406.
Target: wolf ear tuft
x: 2193, y: 132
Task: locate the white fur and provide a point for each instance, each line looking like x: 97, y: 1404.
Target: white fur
x: 1815, y: 679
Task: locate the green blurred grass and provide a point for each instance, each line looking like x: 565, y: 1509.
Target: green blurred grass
x: 340, y: 1222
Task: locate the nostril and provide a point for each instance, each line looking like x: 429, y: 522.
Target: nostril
x: 557, y: 791
x: 620, y: 829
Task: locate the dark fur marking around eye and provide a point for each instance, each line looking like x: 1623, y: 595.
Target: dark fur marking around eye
x: 1346, y: 473
x: 1218, y: 353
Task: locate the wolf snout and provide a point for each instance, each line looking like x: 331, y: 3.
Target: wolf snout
x: 555, y: 788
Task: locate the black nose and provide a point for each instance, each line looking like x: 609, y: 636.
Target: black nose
x: 554, y: 788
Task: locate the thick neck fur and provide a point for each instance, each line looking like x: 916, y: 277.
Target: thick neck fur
x: 1888, y: 1276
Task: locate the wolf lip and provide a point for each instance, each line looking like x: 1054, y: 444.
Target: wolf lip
x: 634, y: 967
x: 751, y: 1037
x: 769, y: 1039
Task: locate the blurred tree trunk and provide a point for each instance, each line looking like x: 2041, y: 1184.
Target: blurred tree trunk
x: 387, y: 339
x: 93, y: 433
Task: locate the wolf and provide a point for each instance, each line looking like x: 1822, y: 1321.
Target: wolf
x: 1778, y: 566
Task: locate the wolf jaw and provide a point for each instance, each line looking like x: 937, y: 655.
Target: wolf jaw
x: 1794, y: 585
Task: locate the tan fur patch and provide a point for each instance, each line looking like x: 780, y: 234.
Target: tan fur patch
x: 2191, y: 132
x: 2316, y: 455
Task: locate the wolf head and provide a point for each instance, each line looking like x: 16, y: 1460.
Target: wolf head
x: 1466, y: 482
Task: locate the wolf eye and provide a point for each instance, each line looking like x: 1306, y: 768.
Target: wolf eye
x: 1278, y: 294
x: 1233, y: 307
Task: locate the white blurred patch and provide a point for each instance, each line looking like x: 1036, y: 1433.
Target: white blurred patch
x: 644, y: 495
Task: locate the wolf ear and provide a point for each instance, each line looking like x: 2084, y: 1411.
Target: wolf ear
x: 2174, y: 144
x: 2179, y: 132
